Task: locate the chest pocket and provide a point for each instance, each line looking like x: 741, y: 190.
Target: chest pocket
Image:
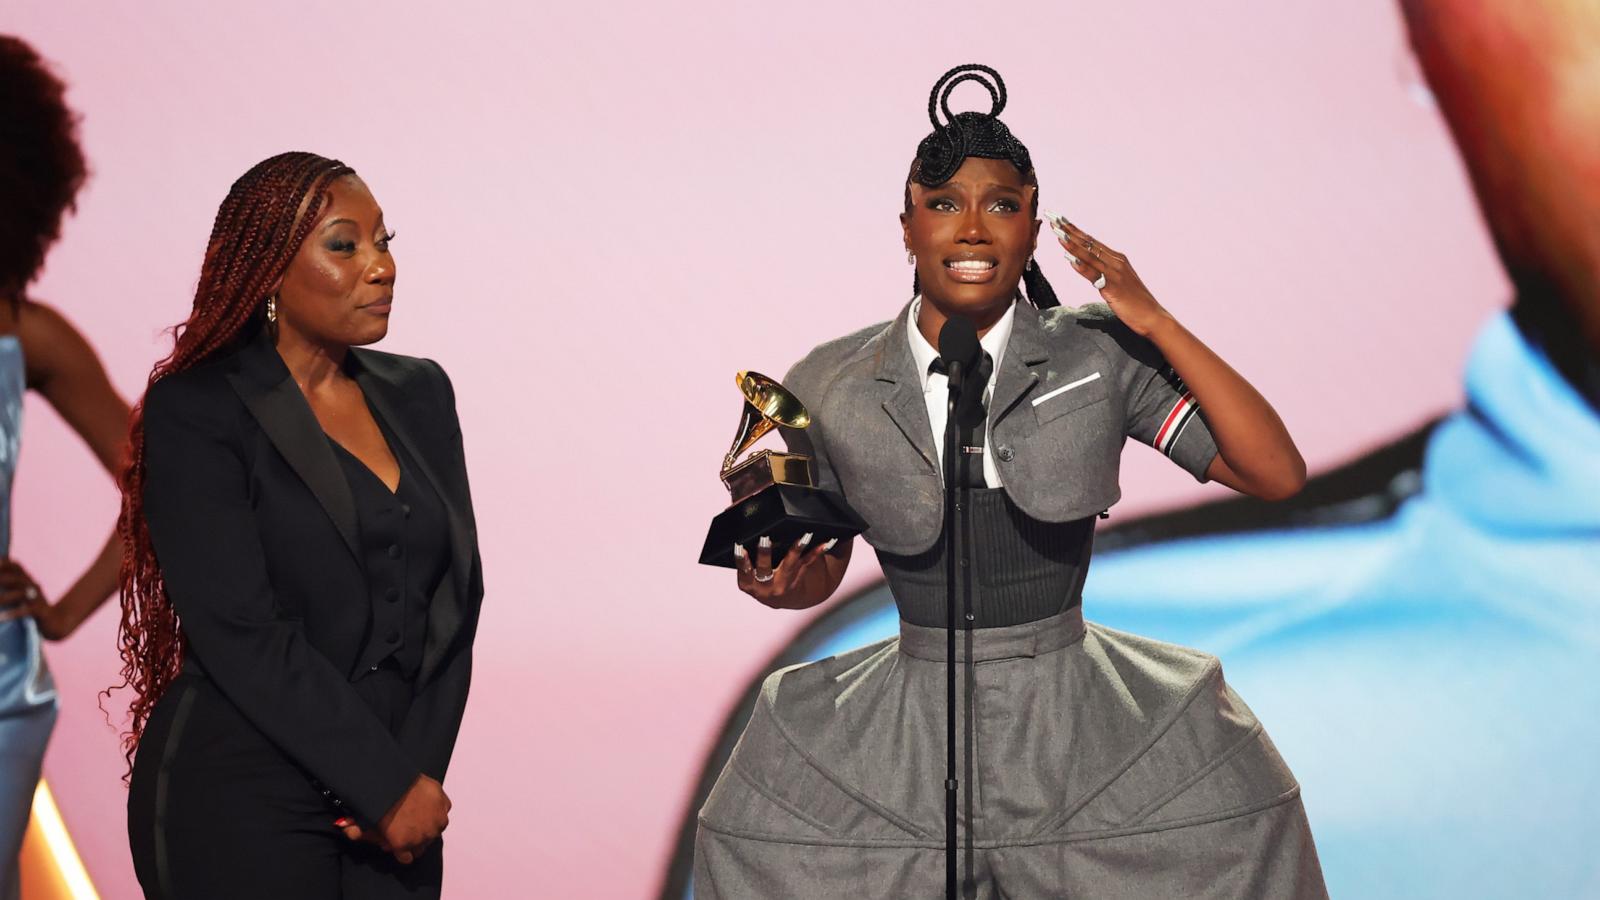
x: 1063, y: 464
x: 1072, y: 394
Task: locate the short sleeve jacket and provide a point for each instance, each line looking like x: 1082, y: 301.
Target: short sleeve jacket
x: 1074, y: 384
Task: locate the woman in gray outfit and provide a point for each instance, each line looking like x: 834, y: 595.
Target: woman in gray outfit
x: 1096, y: 763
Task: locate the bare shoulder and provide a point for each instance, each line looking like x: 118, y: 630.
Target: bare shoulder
x: 51, y: 344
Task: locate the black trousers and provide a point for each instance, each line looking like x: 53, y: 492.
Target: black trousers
x: 216, y: 810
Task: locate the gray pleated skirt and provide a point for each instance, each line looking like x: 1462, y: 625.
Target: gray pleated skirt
x: 1101, y: 764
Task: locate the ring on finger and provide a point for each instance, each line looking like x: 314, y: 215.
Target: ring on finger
x: 31, y: 592
x: 1100, y: 283
x: 757, y: 576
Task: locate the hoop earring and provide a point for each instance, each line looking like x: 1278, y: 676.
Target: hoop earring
x: 272, y: 310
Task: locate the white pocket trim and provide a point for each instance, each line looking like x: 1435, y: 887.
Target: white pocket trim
x: 1066, y: 387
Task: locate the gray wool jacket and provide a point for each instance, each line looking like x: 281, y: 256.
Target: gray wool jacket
x: 1074, y: 383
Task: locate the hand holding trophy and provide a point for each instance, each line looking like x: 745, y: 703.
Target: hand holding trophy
x: 774, y: 494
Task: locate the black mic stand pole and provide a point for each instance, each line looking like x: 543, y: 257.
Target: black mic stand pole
x: 954, y: 516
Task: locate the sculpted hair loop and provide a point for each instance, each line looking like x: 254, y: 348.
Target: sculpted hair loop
x: 259, y: 228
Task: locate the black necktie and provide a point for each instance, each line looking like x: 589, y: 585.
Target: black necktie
x: 971, y: 409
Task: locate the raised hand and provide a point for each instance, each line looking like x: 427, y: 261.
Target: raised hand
x: 1109, y: 272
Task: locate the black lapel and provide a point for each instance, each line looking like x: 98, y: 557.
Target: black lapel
x: 262, y: 381
x: 422, y: 426
x: 906, y: 406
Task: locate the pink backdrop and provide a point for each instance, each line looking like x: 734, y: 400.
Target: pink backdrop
x: 605, y: 211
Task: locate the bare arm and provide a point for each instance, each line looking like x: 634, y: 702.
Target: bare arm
x: 1255, y: 454
x: 65, y: 370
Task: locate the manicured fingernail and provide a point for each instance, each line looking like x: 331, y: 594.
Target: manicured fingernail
x: 805, y: 541
x: 830, y: 543
x: 1074, y: 260
x: 739, y: 552
x: 343, y: 822
x: 765, y: 543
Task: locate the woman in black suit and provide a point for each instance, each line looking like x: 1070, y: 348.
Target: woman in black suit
x: 301, y: 584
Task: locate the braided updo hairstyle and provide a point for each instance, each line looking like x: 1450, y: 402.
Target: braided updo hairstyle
x: 974, y: 134
x: 259, y: 228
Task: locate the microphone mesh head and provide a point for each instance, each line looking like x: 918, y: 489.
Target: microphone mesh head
x: 958, y: 342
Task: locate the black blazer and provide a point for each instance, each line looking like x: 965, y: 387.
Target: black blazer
x: 255, y: 531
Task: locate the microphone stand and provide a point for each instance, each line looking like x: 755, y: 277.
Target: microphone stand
x: 955, y: 515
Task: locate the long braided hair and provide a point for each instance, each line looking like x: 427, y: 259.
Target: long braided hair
x: 977, y: 134
x: 259, y: 228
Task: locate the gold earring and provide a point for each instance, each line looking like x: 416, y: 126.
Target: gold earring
x: 272, y: 309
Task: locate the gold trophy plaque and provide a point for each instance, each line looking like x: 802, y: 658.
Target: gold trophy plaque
x: 773, y: 493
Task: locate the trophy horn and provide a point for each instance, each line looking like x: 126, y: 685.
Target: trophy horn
x: 767, y: 404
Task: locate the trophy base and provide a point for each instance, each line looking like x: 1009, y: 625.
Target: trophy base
x: 765, y: 468
x: 782, y: 512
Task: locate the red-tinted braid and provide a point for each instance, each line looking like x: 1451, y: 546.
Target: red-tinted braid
x: 259, y: 229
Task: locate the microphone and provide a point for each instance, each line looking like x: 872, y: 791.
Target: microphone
x: 958, y: 342
x: 960, y: 351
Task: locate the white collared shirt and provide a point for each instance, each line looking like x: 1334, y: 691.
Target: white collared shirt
x: 936, y: 386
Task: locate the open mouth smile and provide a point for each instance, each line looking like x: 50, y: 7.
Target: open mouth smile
x: 971, y: 270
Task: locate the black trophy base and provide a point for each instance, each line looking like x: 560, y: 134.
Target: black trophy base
x: 782, y: 512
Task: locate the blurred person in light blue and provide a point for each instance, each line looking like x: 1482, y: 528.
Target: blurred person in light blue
x: 1433, y: 670
x: 1422, y: 626
x: 41, y: 170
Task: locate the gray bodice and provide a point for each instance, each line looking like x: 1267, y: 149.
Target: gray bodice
x: 1024, y: 569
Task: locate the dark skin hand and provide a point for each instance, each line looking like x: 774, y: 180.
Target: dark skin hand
x: 337, y: 294
x: 401, y: 831
x: 1255, y: 454
x: 806, y: 576
x: 64, y: 369
x: 971, y: 238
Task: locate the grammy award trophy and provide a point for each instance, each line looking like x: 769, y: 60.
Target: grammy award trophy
x: 773, y: 493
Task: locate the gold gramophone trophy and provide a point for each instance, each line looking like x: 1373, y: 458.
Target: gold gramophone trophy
x: 773, y: 493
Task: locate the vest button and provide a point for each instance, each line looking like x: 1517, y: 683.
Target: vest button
x: 392, y: 637
x: 394, y: 551
x: 392, y: 595
x: 1007, y: 454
